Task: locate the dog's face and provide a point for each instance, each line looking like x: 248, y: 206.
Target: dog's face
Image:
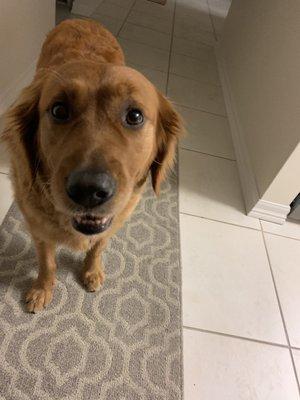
x: 99, y: 130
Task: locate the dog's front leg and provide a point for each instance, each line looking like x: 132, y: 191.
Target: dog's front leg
x: 92, y: 274
x: 40, y: 294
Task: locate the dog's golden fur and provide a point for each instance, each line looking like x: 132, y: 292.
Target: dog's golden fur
x: 82, y: 62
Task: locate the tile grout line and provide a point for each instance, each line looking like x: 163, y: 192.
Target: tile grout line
x: 280, y: 309
x: 125, y: 19
x: 198, y: 42
x: 200, y: 60
x: 144, y: 44
x: 203, y: 29
x: 221, y: 222
x: 145, y: 66
x: 143, y: 26
x: 171, y: 46
x: 196, y: 80
x: 277, y: 234
x: 208, y: 154
x: 191, y: 328
x: 218, y: 85
x: 238, y: 226
x: 150, y: 29
x: 199, y: 109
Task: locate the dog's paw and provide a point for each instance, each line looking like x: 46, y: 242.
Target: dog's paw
x: 92, y: 280
x: 38, y: 298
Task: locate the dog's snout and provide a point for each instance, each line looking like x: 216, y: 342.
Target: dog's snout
x: 90, y: 188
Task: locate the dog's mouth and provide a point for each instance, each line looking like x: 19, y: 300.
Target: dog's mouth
x: 90, y: 224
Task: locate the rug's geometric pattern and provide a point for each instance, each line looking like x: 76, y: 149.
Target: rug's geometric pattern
x: 122, y: 343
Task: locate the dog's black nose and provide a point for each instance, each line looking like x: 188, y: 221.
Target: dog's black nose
x: 90, y: 188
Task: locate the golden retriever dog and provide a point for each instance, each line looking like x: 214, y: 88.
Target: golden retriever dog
x: 82, y: 138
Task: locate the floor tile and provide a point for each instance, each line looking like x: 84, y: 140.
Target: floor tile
x: 198, y: 95
x: 194, y: 69
x: 222, y: 368
x: 190, y: 30
x: 206, y: 133
x: 158, y: 78
x: 6, y: 197
x: 144, y: 55
x: 112, y: 24
x: 194, y: 16
x: 192, y: 5
x: 200, y: 51
x: 121, y: 3
x: 284, y: 256
x: 227, y: 284
x: 147, y: 36
x: 296, y: 354
x: 291, y: 228
x: 161, y: 24
x: 209, y: 187
x: 155, y: 9
x: 112, y: 10
x: 219, y: 7
x: 83, y: 9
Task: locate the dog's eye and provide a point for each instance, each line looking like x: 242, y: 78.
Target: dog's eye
x: 60, y: 112
x: 134, y: 117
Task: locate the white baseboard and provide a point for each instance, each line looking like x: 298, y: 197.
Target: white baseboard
x: 255, y: 206
x: 10, y: 94
x: 268, y: 211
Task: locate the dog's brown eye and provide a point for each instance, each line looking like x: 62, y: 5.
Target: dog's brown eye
x: 60, y: 112
x: 134, y: 117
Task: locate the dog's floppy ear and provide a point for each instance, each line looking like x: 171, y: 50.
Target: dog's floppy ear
x: 168, y: 131
x: 21, y: 124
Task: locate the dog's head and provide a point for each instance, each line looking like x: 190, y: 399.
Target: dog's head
x: 94, y: 131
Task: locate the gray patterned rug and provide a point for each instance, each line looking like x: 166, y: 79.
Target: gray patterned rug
x: 122, y: 343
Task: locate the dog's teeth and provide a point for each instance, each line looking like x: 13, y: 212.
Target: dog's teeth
x: 93, y: 220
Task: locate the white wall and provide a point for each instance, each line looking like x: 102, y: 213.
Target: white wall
x: 261, y: 49
x: 23, y: 27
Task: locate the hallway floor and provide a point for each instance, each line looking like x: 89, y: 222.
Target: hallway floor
x: 241, y: 276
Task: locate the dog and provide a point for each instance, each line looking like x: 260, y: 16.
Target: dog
x: 82, y: 139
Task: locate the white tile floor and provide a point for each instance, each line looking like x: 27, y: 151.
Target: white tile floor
x: 241, y: 277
